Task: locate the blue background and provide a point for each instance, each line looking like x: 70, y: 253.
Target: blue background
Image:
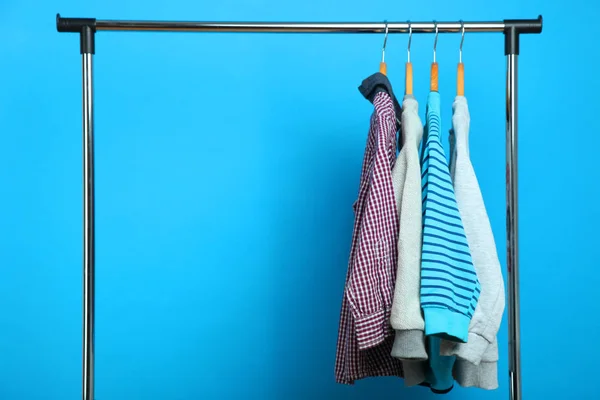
x: 226, y: 169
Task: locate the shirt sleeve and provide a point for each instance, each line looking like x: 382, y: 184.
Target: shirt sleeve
x: 370, y: 286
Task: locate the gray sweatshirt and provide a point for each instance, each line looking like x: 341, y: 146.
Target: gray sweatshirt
x: 477, y: 358
x: 406, y: 317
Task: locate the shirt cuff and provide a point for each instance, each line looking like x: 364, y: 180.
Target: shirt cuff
x: 371, y: 329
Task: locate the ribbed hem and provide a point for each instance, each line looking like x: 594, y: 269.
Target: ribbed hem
x: 414, y: 372
x: 483, y: 376
x: 472, y: 351
x: 371, y: 330
x: 446, y: 324
x: 409, y: 345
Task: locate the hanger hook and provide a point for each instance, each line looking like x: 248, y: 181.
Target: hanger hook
x: 462, y: 39
x: 384, y: 42
x: 409, y: 38
x: 436, y: 38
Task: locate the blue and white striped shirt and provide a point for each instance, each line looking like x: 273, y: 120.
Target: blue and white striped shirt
x: 449, y: 285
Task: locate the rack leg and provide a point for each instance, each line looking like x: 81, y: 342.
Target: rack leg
x: 88, y: 215
x: 512, y: 229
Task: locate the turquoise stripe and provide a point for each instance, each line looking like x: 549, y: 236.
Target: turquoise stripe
x: 454, y: 267
x: 444, y: 188
x: 448, y: 224
x: 432, y: 282
x: 428, y: 267
x: 448, y: 256
x: 430, y: 243
x: 434, y: 176
x: 444, y: 214
x: 433, y: 239
x: 442, y: 208
x: 444, y: 281
x: 435, y: 228
x: 447, y: 288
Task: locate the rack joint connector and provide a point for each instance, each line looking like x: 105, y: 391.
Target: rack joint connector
x: 86, y: 27
x: 513, y: 28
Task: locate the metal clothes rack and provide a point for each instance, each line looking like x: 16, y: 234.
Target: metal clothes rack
x: 512, y: 30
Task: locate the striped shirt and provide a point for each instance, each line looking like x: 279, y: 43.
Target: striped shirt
x: 449, y: 284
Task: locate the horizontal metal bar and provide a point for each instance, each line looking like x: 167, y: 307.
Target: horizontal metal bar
x: 520, y: 25
x: 297, y: 27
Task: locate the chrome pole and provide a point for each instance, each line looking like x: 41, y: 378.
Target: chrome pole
x: 512, y: 230
x: 88, y: 226
x: 298, y: 27
x: 520, y: 25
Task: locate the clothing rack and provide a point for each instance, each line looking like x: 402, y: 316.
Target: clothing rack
x: 512, y: 30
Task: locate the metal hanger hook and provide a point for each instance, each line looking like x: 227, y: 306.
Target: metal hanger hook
x: 436, y: 38
x: 384, y: 42
x: 462, y: 39
x: 409, y: 38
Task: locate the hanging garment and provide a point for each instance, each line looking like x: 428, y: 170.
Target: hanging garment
x: 365, y: 336
x: 480, y: 349
x: 406, y: 318
x: 449, y: 284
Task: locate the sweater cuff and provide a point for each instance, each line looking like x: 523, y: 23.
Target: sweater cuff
x: 370, y: 329
x: 414, y: 372
x: 472, y: 351
x: 409, y: 345
x: 483, y: 376
x: 446, y: 324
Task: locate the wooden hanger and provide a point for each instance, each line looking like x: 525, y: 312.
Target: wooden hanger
x: 460, y: 72
x: 382, y: 64
x: 408, y: 77
x: 433, y: 86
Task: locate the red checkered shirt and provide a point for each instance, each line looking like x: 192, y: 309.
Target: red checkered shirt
x: 365, y: 336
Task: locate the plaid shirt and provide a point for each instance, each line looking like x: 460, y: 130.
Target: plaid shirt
x: 365, y: 336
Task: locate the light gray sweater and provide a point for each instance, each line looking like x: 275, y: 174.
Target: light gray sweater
x: 477, y: 358
x: 406, y: 317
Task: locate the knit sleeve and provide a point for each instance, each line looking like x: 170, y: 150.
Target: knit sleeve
x: 449, y: 284
x: 488, y: 312
x: 483, y: 375
x: 406, y: 317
